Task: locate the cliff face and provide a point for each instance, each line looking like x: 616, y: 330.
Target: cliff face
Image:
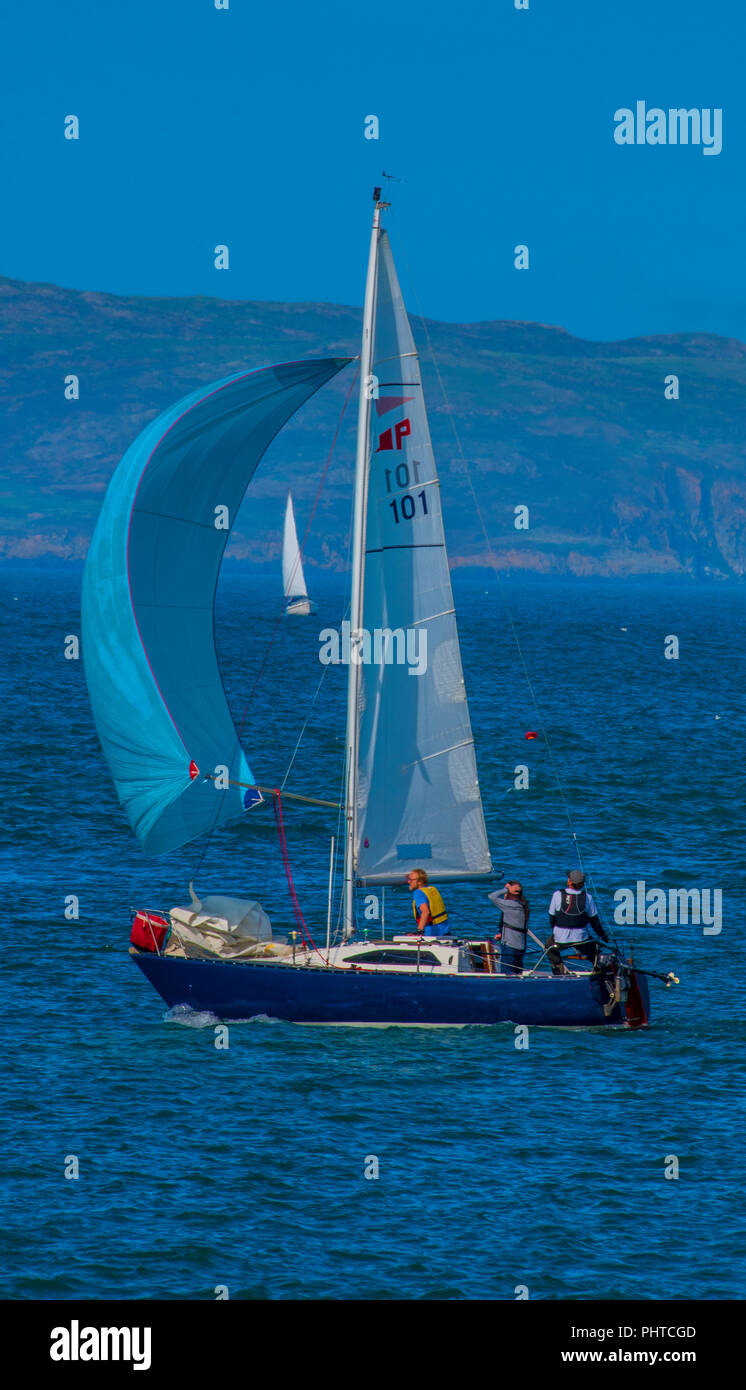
x: 618, y: 479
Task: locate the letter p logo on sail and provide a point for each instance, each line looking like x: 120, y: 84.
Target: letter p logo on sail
x: 395, y: 432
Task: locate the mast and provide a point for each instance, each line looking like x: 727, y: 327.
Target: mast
x: 358, y: 567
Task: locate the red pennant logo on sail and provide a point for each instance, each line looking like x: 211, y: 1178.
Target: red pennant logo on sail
x: 193, y: 770
x: 393, y: 436
x: 385, y: 403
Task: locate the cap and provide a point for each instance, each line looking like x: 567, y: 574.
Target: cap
x: 576, y: 877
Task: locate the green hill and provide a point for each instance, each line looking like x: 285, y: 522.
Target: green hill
x: 618, y: 480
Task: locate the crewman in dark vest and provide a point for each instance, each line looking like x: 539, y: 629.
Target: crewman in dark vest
x: 571, y: 912
x: 427, y: 905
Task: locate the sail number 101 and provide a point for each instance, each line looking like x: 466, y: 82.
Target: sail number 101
x: 405, y: 508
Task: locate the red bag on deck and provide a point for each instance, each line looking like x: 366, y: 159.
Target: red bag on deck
x: 149, y: 931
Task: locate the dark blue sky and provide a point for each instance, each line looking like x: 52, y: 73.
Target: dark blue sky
x: 246, y: 127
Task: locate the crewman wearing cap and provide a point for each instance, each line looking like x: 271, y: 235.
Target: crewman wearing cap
x: 571, y: 912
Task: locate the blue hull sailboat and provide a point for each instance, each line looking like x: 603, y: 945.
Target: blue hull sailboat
x: 433, y: 996
x: 411, y: 798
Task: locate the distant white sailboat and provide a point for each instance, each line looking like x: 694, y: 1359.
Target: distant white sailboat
x: 293, y: 582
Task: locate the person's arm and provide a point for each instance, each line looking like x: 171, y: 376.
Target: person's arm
x: 497, y: 899
x: 554, y: 907
x: 595, y: 922
x: 423, y: 919
x: 423, y: 911
x: 593, y: 918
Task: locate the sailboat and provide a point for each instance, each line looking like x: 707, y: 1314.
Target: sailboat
x: 293, y: 582
x: 411, y: 790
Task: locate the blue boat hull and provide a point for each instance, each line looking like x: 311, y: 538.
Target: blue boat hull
x: 303, y: 994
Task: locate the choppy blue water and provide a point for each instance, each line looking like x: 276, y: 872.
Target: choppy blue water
x: 497, y: 1167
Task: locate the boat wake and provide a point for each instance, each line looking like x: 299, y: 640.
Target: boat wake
x: 188, y: 1017
x: 191, y: 1018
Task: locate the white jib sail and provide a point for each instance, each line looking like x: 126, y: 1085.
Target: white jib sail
x: 293, y: 583
x: 419, y: 803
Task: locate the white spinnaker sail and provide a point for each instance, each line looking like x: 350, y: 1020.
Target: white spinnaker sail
x: 293, y: 583
x: 418, y: 794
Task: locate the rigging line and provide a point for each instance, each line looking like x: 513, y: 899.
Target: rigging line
x: 303, y: 730
x: 340, y: 908
x: 278, y: 620
x: 306, y: 937
x: 343, y: 770
x: 493, y: 563
x: 302, y: 548
x: 338, y: 804
x: 270, y: 791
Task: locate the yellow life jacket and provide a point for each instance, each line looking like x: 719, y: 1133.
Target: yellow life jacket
x: 438, y: 912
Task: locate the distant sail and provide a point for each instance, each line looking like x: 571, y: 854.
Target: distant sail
x: 418, y: 794
x: 293, y: 582
x: 148, y: 590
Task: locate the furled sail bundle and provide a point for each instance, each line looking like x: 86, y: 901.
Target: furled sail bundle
x: 419, y: 803
x: 148, y: 590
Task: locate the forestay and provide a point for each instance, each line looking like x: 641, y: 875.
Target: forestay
x: 148, y: 591
x: 418, y: 795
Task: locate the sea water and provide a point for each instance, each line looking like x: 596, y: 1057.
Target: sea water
x: 144, y: 1161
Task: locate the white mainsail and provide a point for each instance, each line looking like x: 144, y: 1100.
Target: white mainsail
x: 293, y: 582
x: 417, y: 795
